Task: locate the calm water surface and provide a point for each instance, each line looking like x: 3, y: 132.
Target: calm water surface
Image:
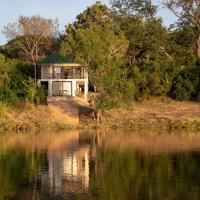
x: 99, y: 165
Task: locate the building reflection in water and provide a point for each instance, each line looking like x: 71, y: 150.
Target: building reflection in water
x: 69, y: 166
x: 65, y: 165
x: 68, y: 171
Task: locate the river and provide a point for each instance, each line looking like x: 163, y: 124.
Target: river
x: 103, y: 165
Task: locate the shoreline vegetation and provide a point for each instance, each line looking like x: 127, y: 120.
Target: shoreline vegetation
x: 30, y: 117
x: 151, y: 114
x: 130, y: 55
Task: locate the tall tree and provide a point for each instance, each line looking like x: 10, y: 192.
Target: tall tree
x: 32, y: 36
x: 147, y: 37
x: 189, y: 11
x: 101, y: 46
x: 141, y: 8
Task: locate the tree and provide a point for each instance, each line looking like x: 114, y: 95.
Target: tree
x: 182, y: 45
x: 97, y: 14
x: 97, y: 36
x: 32, y: 36
x: 141, y: 8
x: 101, y: 46
x: 147, y: 37
x: 189, y: 11
x: 102, y: 50
x: 6, y: 67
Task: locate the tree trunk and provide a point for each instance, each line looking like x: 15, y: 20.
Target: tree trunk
x: 198, y: 48
x: 35, y: 72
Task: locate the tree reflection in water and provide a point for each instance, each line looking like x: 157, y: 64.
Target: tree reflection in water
x: 99, y: 165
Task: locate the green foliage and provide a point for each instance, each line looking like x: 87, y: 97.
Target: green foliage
x: 186, y: 84
x: 115, y: 88
x: 6, y: 67
x: 101, y: 46
x: 152, y: 79
x: 97, y: 14
x: 3, y: 107
x: 129, y: 51
x: 32, y: 92
x: 182, y: 45
x: 140, y: 8
x: 16, y: 83
x: 10, y: 51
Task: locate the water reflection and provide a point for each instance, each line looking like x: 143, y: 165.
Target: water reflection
x: 99, y: 165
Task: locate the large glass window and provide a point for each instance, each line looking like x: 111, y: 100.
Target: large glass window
x: 62, y: 88
x: 57, y: 72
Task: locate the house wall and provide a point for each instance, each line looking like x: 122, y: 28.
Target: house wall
x: 73, y: 85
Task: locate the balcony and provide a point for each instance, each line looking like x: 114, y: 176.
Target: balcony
x: 62, y: 73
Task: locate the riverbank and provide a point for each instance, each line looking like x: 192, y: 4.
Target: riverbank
x: 60, y: 113
x: 153, y: 114
x: 147, y: 114
x: 157, y: 113
x: 28, y: 118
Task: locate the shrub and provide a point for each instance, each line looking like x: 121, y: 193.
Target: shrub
x: 115, y: 88
x: 3, y: 107
x: 186, y: 84
x: 16, y: 84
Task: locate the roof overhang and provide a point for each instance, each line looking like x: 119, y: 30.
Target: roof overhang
x: 63, y: 65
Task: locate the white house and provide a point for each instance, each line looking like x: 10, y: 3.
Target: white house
x: 62, y: 76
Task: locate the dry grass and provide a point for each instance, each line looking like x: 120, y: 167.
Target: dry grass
x: 66, y: 109
x: 30, y: 117
x: 61, y: 113
x: 157, y: 112
x: 63, y: 110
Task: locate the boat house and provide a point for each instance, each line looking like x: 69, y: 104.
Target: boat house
x: 62, y: 76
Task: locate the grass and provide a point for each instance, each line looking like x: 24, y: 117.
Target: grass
x: 27, y: 118
x: 153, y: 114
x: 148, y: 114
x: 3, y: 107
x: 168, y: 125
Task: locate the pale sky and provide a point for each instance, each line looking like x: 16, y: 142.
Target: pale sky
x: 63, y: 10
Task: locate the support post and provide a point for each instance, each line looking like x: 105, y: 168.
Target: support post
x: 74, y: 88
x: 39, y: 83
x: 86, y: 89
x: 50, y: 88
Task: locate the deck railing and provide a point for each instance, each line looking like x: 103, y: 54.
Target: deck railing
x: 61, y: 76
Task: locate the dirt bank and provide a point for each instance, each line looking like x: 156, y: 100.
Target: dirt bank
x: 155, y: 113
x: 65, y: 110
x: 27, y: 118
x: 60, y: 113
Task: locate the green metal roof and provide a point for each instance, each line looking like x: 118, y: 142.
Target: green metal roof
x: 57, y: 59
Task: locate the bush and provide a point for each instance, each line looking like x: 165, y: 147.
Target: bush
x: 186, y: 84
x: 16, y: 84
x: 152, y: 79
x: 3, y: 107
x: 115, y: 88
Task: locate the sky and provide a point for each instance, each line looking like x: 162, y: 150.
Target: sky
x: 63, y: 10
